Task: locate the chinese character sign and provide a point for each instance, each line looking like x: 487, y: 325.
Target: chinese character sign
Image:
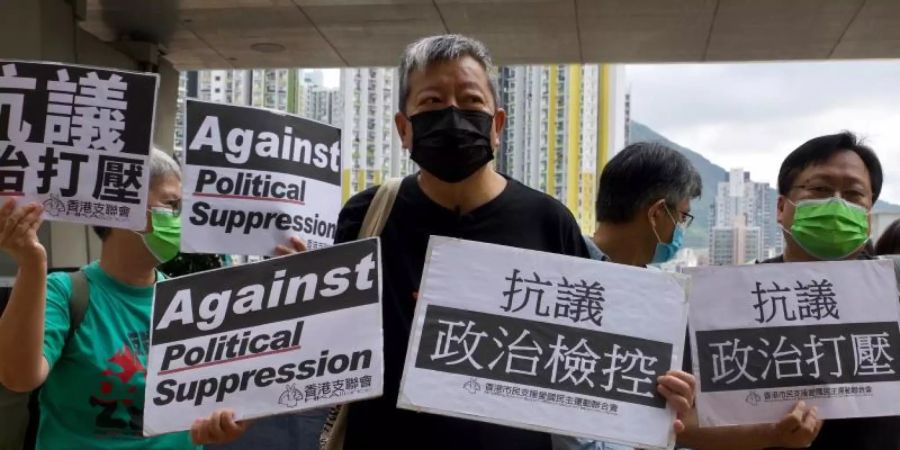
x: 77, y: 139
x: 545, y: 342
x: 766, y: 336
x: 254, y: 177
x: 283, y: 335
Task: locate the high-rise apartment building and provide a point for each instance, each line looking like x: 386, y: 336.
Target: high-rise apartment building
x: 563, y: 124
x: 564, y: 121
x: 743, y: 226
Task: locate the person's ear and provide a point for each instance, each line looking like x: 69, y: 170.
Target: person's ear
x: 780, y: 214
x: 404, y: 129
x: 656, y: 211
x: 497, y: 128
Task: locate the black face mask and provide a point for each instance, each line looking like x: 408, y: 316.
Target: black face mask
x: 452, y: 143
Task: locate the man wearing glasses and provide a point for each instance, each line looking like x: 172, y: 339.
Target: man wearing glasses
x: 643, y: 205
x: 643, y: 208
x: 826, y: 188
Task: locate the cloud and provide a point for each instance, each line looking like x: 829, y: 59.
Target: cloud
x: 751, y: 115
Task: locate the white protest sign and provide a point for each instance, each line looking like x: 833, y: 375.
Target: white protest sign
x: 544, y: 342
x: 283, y: 335
x: 254, y: 177
x: 769, y: 335
x: 77, y: 140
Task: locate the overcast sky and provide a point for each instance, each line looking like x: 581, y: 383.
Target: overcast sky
x: 752, y: 115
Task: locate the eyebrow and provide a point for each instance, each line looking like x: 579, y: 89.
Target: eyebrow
x: 471, y: 85
x: 832, y: 178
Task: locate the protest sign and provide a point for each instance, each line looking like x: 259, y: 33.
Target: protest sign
x: 544, y: 342
x: 767, y: 336
x: 77, y: 140
x: 253, y: 178
x: 287, y: 334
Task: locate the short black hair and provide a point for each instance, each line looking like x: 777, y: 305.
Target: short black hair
x: 818, y: 150
x: 889, y: 242
x: 643, y: 173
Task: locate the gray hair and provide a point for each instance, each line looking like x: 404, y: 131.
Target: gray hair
x: 448, y: 47
x: 162, y: 165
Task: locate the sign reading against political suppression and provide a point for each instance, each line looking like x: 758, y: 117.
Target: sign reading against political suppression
x: 287, y: 334
x: 77, y: 140
x: 767, y: 336
x: 253, y: 178
x: 544, y: 342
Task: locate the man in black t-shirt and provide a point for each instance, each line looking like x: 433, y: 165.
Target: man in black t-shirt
x: 826, y: 187
x: 450, y: 120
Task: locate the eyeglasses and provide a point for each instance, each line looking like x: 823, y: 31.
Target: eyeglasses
x: 687, y: 219
x: 821, y: 191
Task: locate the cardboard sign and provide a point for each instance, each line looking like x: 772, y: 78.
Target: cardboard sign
x: 77, y: 139
x: 769, y: 335
x: 253, y: 178
x: 287, y: 334
x: 544, y: 342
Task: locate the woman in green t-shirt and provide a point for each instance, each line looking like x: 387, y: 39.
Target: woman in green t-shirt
x: 93, y: 376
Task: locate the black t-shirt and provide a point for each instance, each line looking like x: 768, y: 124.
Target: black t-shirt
x: 520, y: 217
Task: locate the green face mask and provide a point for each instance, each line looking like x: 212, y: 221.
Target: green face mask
x: 164, y: 242
x: 830, y: 229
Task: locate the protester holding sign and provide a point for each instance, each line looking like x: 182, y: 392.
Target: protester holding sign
x: 93, y: 374
x: 451, y: 121
x: 643, y: 207
x: 827, y: 188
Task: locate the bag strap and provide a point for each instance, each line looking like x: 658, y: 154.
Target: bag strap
x: 335, y: 427
x: 78, y: 302
x: 380, y: 208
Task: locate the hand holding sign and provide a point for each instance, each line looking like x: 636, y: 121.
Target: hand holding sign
x: 219, y: 428
x: 679, y: 389
x: 798, y: 429
x: 297, y: 245
x: 18, y: 232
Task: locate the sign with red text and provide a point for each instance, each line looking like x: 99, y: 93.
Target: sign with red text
x: 254, y: 177
x: 282, y: 335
